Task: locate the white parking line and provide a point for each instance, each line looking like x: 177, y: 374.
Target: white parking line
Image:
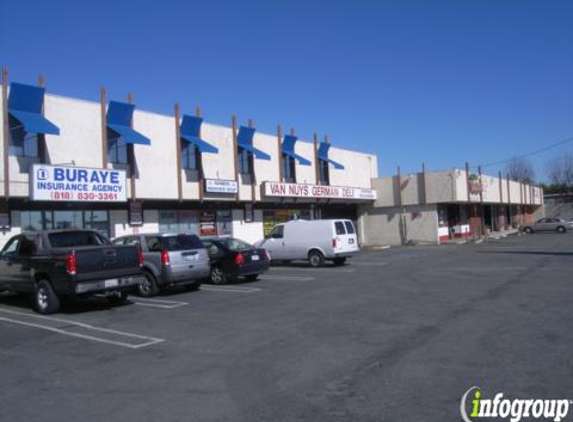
x: 230, y: 289
x: 286, y: 278
x: 65, y: 327
x: 158, y: 303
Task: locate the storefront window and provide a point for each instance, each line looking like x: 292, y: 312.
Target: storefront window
x: 68, y: 219
x: 48, y: 220
x: 273, y: 217
x: 171, y: 221
x: 31, y: 221
x: 167, y: 221
x: 96, y: 220
x: 201, y: 223
x: 224, y: 223
x: 188, y: 222
x: 442, y: 216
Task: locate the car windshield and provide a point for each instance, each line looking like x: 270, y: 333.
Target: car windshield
x: 181, y: 242
x: 236, y: 244
x: 78, y: 238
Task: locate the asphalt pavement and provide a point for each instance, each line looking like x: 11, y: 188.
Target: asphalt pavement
x: 393, y: 335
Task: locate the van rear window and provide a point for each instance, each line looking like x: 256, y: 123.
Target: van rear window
x: 181, y: 242
x: 349, y: 227
x: 339, y: 225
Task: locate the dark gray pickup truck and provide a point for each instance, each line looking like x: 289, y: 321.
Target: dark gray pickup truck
x: 59, y: 264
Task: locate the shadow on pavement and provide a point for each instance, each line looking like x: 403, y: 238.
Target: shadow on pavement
x: 70, y: 306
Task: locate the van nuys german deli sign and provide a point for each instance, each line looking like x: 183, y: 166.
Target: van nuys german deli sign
x: 296, y: 190
x: 53, y: 183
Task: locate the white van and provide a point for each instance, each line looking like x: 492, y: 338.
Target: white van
x: 312, y: 240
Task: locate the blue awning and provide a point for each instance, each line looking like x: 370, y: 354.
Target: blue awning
x: 288, y: 149
x: 190, y: 131
x: 119, y: 117
x: 245, y: 142
x: 323, y: 156
x: 25, y: 105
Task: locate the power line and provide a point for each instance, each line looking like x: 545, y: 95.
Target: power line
x: 539, y: 151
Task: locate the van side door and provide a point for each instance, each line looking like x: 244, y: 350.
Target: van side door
x: 275, y: 243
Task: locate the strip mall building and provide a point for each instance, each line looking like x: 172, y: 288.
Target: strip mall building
x: 433, y: 207
x: 109, y: 166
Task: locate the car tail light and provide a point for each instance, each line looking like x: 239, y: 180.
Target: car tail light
x: 165, y: 258
x: 334, y: 242
x: 239, y: 259
x: 140, y: 257
x: 71, y: 263
x: 265, y: 254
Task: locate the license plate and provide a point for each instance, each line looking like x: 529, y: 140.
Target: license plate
x: 110, y: 283
x: 254, y: 258
x: 194, y: 257
x: 350, y: 241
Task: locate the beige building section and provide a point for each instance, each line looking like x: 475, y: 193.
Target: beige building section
x: 406, y: 208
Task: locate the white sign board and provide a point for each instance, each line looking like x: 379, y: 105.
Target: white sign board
x: 296, y: 190
x: 64, y: 184
x: 221, y: 186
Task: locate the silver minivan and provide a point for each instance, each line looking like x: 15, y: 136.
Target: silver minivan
x: 312, y: 240
x: 170, y: 259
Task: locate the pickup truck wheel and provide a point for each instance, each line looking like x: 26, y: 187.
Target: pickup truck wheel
x: 149, y: 287
x: 218, y: 276
x: 117, y: 298
x: 45, y: 299
x: 316, y: 259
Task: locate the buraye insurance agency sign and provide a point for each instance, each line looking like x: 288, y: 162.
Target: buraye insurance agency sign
x: 63, y: 184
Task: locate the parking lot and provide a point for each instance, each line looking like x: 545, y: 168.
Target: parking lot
x: 393, y: 335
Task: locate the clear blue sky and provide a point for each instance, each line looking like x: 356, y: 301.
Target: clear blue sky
x: 439, y: 82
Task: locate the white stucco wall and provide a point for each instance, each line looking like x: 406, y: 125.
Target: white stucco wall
x: 398, y: 225
x: 305, y: 174
x: 220, y: 165
x: 249, y: 232
x: 266, y: 170
x: 359, y: 168
x: 120, y: 227
x: 156, y: 163
x: 80, y: 138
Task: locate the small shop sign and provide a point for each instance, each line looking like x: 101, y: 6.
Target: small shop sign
x: 207, y: 223
x: 297, y: 190
x: 76, y: 184
x: 135, y: 213
x: 221, y: 186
